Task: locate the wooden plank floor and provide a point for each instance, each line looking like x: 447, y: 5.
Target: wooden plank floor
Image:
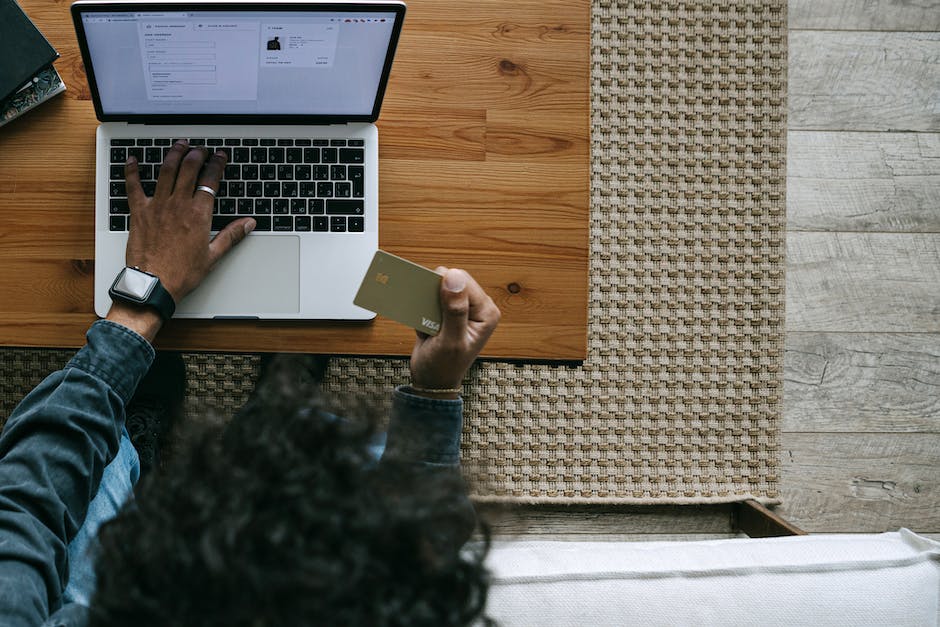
x: 861, y: 429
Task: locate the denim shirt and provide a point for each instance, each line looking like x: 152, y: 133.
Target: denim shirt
x: 57, y: 442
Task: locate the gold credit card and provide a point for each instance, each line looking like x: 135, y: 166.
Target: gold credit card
x: 402, y: 291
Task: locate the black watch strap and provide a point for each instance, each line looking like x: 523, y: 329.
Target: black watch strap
x: 161, y: 300
x: 158, y: 298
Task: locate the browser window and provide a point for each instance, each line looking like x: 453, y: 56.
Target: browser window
x: 238, y: 62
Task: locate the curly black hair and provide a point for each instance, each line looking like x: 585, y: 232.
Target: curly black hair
x: 282, y: 517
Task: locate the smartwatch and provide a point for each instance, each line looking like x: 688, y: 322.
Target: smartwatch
x: 135, y: 286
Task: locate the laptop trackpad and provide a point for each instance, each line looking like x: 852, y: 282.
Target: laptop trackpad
x: 260, y: 276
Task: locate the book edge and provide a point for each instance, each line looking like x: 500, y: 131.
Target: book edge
x: 49, y: 96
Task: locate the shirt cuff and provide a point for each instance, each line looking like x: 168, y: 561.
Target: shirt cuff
x: 424, y: 430
x: 115, y: 354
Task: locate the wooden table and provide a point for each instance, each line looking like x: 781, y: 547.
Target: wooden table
x: 485, y: 165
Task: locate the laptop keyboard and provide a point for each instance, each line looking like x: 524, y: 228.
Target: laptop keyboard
x: 286, y: 185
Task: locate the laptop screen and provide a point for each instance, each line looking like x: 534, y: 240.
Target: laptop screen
x: 249, y: 61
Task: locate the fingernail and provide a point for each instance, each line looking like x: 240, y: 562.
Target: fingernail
x: 130, y: 160
x: 455, y: 281
x: 182, y: 142
x: 220, y: 153
x: 250, y: 226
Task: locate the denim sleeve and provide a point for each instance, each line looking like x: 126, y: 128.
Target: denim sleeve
x: 424, y: 430
x: 53, y: 451
x: 424, y: 435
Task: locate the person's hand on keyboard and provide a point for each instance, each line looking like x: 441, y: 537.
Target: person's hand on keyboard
x: 169, y: 234
x: 439, y: 363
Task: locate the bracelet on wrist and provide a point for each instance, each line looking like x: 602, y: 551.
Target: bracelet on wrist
x: 436, y: 390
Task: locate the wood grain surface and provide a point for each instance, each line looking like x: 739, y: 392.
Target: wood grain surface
x: 859, y: 435
x: 845, y: 181
x: 863, y: 282
x: 578, y: 522
x: 861, y: 482
x: 484, y: 164
x: 869, y: 81
x: 892, y: 15
x: 861, y: 382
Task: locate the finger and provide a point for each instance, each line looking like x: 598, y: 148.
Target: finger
x: 228, y: 237
x: 171, y: 165
x: 210, y: 176
x: 455, y: 305
x: 482, y: 307
x: 135, y: 192
x: 189, y: 170
x: 491, y: 315
x: 483, y: 315
x: 485, y: 324
x: 420, y: 339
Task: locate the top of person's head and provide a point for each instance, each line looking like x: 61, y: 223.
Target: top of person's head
x: 283, y: 518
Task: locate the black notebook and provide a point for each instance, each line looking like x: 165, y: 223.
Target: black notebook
x: 23, y: 49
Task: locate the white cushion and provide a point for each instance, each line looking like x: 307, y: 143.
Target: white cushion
x: 859, y: 579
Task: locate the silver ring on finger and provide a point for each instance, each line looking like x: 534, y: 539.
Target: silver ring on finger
x: 206, y: 189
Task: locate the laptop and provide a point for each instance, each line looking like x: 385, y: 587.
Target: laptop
x: 291, y: 91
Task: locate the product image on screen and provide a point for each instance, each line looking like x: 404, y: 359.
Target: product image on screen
x: 238, y: 62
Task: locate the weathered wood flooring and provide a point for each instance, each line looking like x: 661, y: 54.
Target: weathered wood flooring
x: 861, y: 428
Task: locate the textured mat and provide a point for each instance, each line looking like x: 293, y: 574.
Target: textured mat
x: 217, y: 384
x: 680, y: 396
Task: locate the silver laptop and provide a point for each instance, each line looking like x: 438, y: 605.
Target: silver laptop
x: 290, y: 90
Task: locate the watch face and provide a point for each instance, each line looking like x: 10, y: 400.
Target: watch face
x: 135, y: 284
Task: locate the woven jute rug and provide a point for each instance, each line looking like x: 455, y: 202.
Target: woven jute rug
x: 680, y: 396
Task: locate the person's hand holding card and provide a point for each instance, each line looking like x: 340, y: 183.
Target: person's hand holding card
x: 469, y: 317
x: 452, y: 315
